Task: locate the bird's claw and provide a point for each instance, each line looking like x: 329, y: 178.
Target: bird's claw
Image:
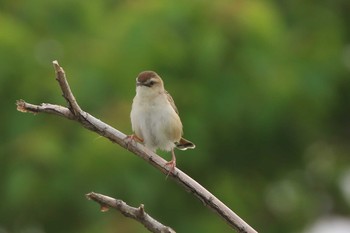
x: 171, y: 164
x: 132, y: 138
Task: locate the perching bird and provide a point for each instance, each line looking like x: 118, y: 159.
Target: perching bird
x: 154, y: 117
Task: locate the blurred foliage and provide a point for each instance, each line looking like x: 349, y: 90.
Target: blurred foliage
x: 263, y: 89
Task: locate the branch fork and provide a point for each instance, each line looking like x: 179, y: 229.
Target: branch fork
x: 74, y: 112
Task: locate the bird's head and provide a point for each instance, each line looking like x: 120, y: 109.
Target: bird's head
x: 149, y: 82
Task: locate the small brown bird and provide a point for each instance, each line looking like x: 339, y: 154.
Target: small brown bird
x: 154, y: 117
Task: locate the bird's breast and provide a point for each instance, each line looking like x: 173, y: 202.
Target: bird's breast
x: 156, y: 122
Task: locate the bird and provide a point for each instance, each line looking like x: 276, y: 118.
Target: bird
x: 155, y: 119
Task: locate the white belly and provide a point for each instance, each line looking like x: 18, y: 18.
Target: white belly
x: 156, y: 123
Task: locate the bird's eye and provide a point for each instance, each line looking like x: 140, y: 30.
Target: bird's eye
x: 151, y: 83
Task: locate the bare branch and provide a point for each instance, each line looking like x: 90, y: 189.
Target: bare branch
x: 67, y: 93
x: 22, y: 106
x: 74, y: 112
x: 138, y: 214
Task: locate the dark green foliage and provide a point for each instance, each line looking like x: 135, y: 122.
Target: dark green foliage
x: 262, y: 89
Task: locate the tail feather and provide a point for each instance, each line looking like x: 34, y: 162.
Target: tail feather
x: 184, y: 144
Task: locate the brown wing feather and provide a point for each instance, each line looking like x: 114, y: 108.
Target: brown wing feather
x: 183, y: 144
x: 171, y: 101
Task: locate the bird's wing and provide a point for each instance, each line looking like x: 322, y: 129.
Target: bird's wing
x: 171, y: 101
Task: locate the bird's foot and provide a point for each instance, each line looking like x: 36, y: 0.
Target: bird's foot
x: 171, y: 164
x: 132, y: 138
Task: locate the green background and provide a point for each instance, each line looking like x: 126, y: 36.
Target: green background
x: 263, y: 90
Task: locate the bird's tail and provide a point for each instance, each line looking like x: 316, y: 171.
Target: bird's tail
x: 184, y: 144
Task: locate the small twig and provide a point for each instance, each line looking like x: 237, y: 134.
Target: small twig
x: 74, y: 112
x: 22, y: 106
x: 138, y: 214
x: 67, y: 93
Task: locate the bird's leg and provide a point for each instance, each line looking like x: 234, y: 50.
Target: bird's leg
x: 132, y: 137
x: 172, y: 162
